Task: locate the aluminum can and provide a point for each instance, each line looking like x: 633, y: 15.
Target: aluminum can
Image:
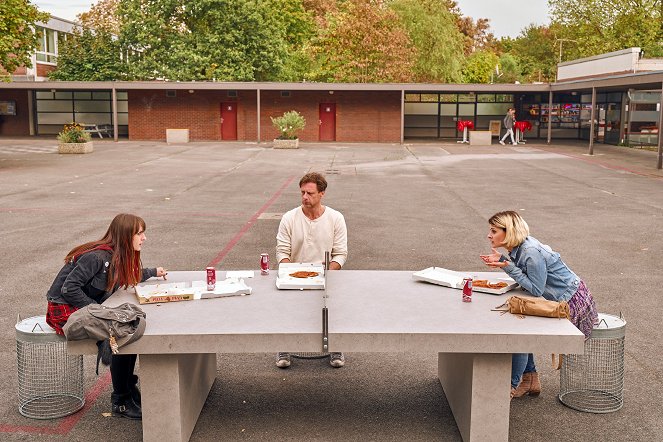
x: 211, y: 278
x: 264, y: 263
x: 467, y: 290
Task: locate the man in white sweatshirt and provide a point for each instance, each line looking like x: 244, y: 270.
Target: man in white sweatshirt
x: 306, y: 233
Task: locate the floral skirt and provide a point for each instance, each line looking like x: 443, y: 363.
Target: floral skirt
x: 583, y: 310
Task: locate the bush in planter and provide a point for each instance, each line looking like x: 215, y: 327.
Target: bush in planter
x: 73, y: 133
x: 288, y: 125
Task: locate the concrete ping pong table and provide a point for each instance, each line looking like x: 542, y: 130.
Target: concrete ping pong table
x: 368, y: 311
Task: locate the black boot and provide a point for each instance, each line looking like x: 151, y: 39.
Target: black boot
x: 124, y: 406
x: 133, y: 389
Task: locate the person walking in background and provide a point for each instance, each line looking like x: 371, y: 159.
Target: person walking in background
x: 509, y: 122
x: 541, y: 272
x: 91, y: 273
x: 306, y: 233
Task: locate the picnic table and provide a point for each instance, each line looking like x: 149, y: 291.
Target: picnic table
x: 99, y: 129
x: 368, y: 311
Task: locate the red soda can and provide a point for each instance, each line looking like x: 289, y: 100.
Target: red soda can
x: 211, y: 278
x: 467, y: 290
x: 264, y: 263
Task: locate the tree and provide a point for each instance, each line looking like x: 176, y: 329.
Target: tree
x: 230, y: 40
x: 535, y: 51
x: 477, y: 33
x: 18, y: 40
x: 439, y: 43
x: 102, y: 16
x: 509, y: 67
x: 479, y: 67
x: 592, y: 27
x: 364, y: 42
x: 90, y: 56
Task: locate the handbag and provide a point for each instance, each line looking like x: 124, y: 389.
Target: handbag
x: 111, y: 327
x: 528, y: 306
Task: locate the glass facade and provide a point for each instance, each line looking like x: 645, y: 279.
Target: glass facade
x: 54, y: 109
x: 430, y: 115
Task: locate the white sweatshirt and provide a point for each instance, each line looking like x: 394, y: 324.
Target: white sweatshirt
x: 301, y: 239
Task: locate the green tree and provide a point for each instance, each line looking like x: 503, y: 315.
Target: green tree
x: 479, y: 67
x: 592, y: 27
x: 439, y: 43
x: 509, y: 69
x: 90, y: 56
x: 534, y: 49
x: 17, y: 39
x: 230, y: 40
x: 363, y: 42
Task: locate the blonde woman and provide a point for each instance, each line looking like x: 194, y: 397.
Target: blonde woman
x: 540, y: 271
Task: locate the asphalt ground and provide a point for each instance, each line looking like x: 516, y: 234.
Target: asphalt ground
x: 407, y: 207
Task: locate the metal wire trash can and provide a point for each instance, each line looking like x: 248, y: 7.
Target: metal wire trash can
x: 594, y: 382
x: 50, y: 381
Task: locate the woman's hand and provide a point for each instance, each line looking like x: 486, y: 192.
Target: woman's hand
x: 493, y: 260
x: 162, y: 272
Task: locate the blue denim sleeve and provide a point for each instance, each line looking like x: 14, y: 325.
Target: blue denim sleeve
x: 533, y: 278
x: 148, y: 273
x: 87, y: 266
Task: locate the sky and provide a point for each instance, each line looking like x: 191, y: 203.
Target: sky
x: 507, y: 17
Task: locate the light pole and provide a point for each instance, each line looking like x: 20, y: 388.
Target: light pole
x: 560, y: 40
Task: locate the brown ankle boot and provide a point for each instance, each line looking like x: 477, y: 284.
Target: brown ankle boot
x: 524, y: 386
x: 535, y: 384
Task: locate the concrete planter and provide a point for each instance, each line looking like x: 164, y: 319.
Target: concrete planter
x: 76, y: 147
x: 286, y: 144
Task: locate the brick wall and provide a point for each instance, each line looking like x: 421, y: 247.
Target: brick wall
x: 152, y: 112
x: 360, y: 116
x: 19, y: 124
x: 44, y: 69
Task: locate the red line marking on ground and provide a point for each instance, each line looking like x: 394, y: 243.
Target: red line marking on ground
x: 222, y: 254
x: 605, y: 165
x: 66, y: 424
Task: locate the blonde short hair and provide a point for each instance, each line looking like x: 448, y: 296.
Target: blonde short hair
x: 513, y: 224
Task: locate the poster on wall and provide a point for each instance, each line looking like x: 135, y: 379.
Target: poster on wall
x: 7, y: 108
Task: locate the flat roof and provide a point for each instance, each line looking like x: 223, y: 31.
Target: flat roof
x: 642, y: 80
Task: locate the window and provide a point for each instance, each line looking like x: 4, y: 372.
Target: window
x: 46, y: 48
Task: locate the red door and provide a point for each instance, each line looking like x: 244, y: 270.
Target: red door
x: 229, y: 121
x: 327, y: 121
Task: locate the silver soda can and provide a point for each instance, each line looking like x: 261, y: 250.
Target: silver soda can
x: 264, y: 263
x: 211, y: 278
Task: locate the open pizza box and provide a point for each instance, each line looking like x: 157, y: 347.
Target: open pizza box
x: 187, y: 291
x: 453, y: 279
x: 285, y: 280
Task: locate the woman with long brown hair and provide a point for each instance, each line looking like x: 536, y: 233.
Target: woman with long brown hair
x: 91, y: 273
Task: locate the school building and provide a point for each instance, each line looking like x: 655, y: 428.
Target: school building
x: 616, y: 97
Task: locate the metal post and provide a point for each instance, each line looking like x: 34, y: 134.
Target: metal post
x: 114, y: 104
x: 550, y: 100
x: 629, y: 116
x: 258, y: 112
x: 659, y: 163
x: 402, y: 115
x: 591, y: 122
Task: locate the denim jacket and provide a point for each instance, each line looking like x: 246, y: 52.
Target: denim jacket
x: 540, y: 271
x: 83, y: 281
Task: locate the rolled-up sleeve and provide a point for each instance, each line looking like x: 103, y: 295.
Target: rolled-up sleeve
x: 339, y: 251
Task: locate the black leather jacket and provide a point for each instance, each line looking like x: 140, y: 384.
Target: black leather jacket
x: 84, y: 281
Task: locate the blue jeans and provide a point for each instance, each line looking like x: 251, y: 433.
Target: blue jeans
x: 521, y: 363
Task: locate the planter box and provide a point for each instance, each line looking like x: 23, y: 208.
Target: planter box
x: 480, y: 138
x: 286, y: 144
x: 76, y: 147
x: 177, y: 136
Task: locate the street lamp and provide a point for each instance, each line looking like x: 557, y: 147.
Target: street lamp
x: 560, y: 40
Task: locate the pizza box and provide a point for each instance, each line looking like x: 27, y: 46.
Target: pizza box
x: 453, y: 279
x: 286, y: 282
x: 187, y: 291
